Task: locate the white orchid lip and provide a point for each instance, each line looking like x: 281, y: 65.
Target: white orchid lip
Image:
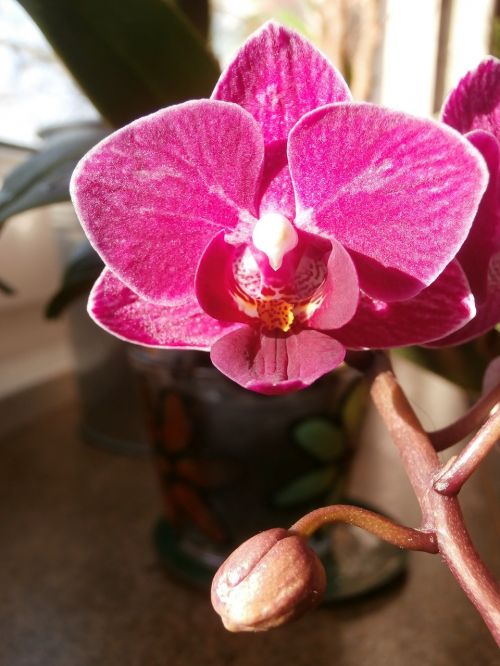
x: 274, y: 235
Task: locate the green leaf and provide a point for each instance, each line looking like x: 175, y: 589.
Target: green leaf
x: 321, y: 438
x: 131, y: 57
x: 306, y: 488
x: 198, y: 13
x: 43, y: 178
x: 83, y: 269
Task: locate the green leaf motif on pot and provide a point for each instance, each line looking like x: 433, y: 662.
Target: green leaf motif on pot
x: 321, y: 438
x: 307, y: 487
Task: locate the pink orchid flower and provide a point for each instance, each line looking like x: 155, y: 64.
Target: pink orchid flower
x: 279, y: 223
x: 473, y: 108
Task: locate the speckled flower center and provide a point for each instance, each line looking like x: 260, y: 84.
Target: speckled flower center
x: 278, y: 306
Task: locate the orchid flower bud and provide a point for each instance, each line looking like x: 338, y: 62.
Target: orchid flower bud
x: 271, y: 579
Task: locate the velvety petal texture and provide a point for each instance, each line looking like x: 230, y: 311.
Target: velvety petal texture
x: 153, y: 194
x: 276, y: 191
x: 443, y: 307
x: 475, y: 102
x: 400, y: 192
x: 214, y: 282
x: 273, y: 364
x: 278, y: 76
x: 483, y: 241
x: 488, y: 312
x: 473, y: 108
x: 341, y: 291
x: 120, y: 311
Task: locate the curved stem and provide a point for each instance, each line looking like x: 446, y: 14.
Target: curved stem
x: 461, y: 467
x: 441, y: 514
x: 380, y: 526
x: 418, y: 455
x: 473, y: 419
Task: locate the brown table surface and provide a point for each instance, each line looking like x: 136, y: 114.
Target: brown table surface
x: 80, y: 582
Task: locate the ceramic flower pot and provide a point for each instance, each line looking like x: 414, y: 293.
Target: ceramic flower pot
x: 232, y: 463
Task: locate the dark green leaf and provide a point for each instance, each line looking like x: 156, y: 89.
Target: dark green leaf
x: 131, y: 57
x: 307, y: 487
x: 43, y: 178
x: 198, y: 13
x: 321, y: 438
x: 82, y: 271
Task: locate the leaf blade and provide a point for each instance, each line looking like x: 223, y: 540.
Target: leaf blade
x: 130, y: 57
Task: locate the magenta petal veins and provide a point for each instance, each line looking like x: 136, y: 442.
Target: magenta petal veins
x: 446, y: 305
x: 473, y: 108
x: 275, y: 363
x: 120, y: 311
x: 278, y: 76
x: 483, y: 242
x: 475, y: 102
x: 398, y: 191
x: 152, y: 195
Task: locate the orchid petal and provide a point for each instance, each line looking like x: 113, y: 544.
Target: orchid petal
x: 483, y: 241
x: 272, y: 363
x: 488, y: 313
x: 152, y: 195
x: 276, y: 191
x: 278, y: 76
x: 399, y: 192
x: 445, y: 305
x: 128, y: 316
x: 341, y: 291
x: 215, y: 282
x: 475, y: 102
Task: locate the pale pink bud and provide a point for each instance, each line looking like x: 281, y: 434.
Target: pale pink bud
x: 271, y: 579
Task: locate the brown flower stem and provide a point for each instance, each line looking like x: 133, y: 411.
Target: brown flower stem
x: 418, y: 455
x: 460, y: 468
x: 473, y: 419
x: 380, y: 526
x: 441, y: 514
